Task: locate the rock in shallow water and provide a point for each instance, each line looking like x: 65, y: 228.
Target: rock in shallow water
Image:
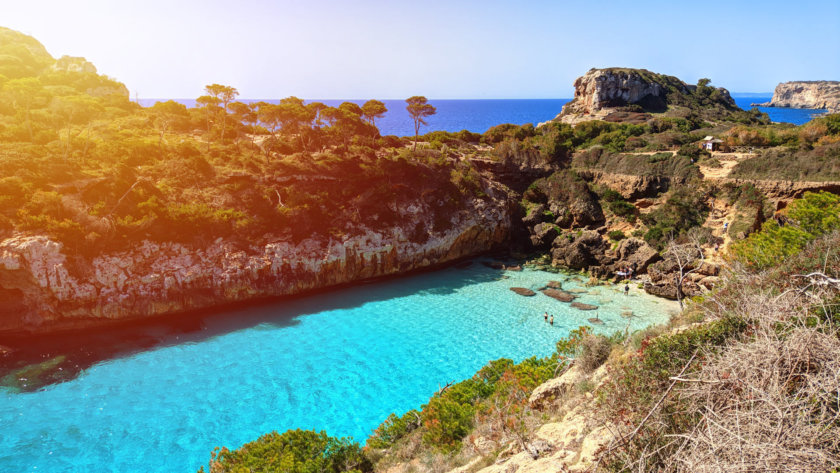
x: 561, y: 296
x: 522, y: 291
x: 582, y: 306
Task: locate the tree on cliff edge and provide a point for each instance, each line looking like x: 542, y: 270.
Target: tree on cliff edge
x: 419, y: 108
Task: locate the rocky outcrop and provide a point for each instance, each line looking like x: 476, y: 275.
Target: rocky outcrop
x: 585, y: 251
x: 560, y: 201
x: 600, y: 89
x: 822, y: 94
x: 601, y: 92
x: 554, y: 389
x: 628, y: 185
x: 165, y: 278
x: 73, y: 64
x: 636, y: 254
x: 664, y: 276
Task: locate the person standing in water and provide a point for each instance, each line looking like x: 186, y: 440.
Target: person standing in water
x: 546, y: 316
x: 626, y: 289
x: 551, y: 320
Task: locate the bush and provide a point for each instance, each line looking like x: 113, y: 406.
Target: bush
x: 616, y: 235
x: 812, y: 215
x: 684, y: 209
x: 451, y: 414
x: 294, y: 451
x: 594, y: 351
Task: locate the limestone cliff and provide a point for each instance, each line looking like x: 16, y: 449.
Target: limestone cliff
x: 822, y: 94
x: 602, y: 92
x: 43, y: 290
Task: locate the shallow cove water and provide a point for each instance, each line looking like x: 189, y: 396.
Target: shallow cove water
x: 339, y: 361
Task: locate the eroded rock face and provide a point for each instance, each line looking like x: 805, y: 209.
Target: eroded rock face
x: 162, y: 278
x: 602, y: 88
x: 587, y: 250
x: 636, y: 254
x: 618, y: 94
x: 806, y: 94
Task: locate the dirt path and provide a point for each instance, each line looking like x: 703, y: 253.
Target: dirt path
x: 727, y: 162
x: 719, y: 215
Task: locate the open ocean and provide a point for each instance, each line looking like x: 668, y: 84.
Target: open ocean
x: 479, y: 115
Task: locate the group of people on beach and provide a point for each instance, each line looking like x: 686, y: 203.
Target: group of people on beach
x: 627, y: 271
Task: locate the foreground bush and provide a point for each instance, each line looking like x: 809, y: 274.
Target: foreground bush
x: 294, y: 451
x: 807, y: 218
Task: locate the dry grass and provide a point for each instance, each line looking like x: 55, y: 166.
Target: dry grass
x: 771, y: 400
x: 768, y: 401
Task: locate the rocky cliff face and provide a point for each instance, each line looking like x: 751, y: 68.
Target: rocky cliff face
x: 45, y: 291
x: 602, y: 92
x: 602, y: 88
x: 807, y: 94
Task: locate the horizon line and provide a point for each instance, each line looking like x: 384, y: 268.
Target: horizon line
x: 400, y: 99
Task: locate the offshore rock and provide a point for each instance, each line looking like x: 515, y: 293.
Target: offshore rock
x: 42, y: 291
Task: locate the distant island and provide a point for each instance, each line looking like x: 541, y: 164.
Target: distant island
x: 819, y: 94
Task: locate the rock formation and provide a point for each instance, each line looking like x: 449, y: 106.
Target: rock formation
x: 602, y: 92
x: 822, y: 94
x: 48, y: 292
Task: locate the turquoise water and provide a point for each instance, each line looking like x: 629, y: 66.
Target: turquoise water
x: 339, y: 361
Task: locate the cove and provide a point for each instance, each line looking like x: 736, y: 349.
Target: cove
x: 339, y: 361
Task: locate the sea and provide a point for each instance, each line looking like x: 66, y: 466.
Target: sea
x: 161, y: 397
x: 479, y: 115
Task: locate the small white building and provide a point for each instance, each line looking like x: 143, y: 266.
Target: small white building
x: 710, y: 143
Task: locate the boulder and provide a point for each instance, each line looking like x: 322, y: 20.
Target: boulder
x: 708, y: 269
x: 668, y: 289
x: 561, y: 296
x: 535, y: 216
x: 554, y: 285
x: 582, y: 306
x: 587, y: 249
x: 634, y: 252
x: 543, y: 235
x: 709, y: 282
x: 522, y: 291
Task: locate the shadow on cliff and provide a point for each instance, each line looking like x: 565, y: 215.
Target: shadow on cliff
x: 31, y: 362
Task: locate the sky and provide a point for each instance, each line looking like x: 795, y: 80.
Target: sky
x: 362, y: 49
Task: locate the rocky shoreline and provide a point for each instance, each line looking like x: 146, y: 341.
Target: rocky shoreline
x: 43, y: 291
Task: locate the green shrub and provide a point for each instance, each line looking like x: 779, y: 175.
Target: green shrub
x: 684, y: 209
x: 616, y: 235
x: 812, y: 215
x: 294, y: 451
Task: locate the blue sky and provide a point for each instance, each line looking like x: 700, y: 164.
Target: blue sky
x: 440, y: 49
